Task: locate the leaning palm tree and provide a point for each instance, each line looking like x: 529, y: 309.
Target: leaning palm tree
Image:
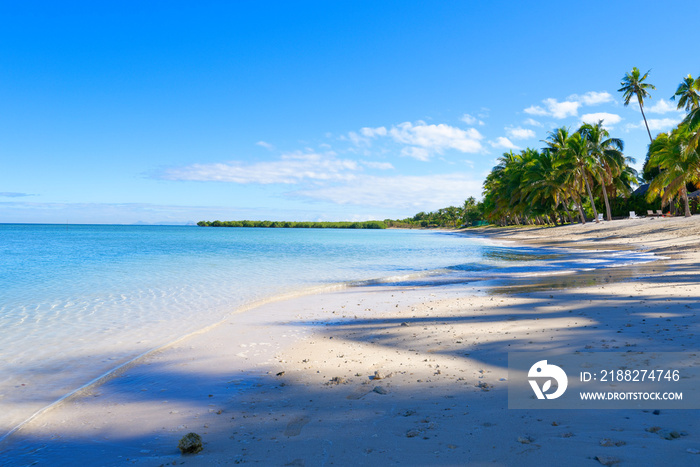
x: 678, y: 165
x: 608, y: 152
x: 632, y: 84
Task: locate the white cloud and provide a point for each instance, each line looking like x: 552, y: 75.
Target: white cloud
x: 373, y: 132
x: 403, y: 192
x: 291, y: 168
x: 265, y: 145
x: 519, y: 133
x: 357, y: 140
x: 608, y: 118
x: 471, y: 120
x: 436, y: 138
x: 656, y: 124
x: 378, y: 165
x: 12, y: 194
x: 592, y: 98
x: 569, y: 107
x: 532, y: 122
x: 536, y: 110
x: 422, y: 154
x: 662, y: 107
x: 421, y: 141
x: 502, y: 142
x: 555, y: 108
x: 562, y: 109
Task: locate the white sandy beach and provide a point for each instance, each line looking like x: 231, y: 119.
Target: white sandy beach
x: 405, y: 376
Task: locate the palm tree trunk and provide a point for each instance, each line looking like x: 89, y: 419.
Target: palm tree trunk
x: 641, y: 108
x: 607, y: 204
x: 590, y: 196
x: 580, y: 209
x: 684, y: 195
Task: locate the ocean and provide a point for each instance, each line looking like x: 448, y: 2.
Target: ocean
x: 78, y: 301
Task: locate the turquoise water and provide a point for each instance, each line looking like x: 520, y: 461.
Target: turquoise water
x: 77, y: 301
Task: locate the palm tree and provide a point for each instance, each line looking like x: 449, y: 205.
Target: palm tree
x: 584, y: 166
x: 567, y: 165
x: 688, y: 94
x: 608, y: 152
x: 546, y: 184
x: 679, y: 166
x: 632, y: 84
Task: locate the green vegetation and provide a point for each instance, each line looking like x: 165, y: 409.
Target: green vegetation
x: 675, y: 154
x: 296, y: 225
x: 560, y: 182
x: 469, y: 214
x: 577, y: 174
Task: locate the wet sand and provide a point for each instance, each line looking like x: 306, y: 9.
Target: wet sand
x: 409, y: 376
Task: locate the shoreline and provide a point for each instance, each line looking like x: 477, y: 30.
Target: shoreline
x: 442, y: 374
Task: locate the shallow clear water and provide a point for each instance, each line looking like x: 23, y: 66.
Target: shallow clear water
x: 76, y: 301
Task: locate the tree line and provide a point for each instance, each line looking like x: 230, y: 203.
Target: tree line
x: 468, y: 214
x: 296, y: 225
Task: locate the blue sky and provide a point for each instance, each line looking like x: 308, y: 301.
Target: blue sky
x: 124, y: 112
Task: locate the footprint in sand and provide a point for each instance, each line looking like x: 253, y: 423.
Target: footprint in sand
x: 294, y: 427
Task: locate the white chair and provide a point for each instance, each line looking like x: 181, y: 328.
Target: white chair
x: 600, y: 217
x: 633, y: 215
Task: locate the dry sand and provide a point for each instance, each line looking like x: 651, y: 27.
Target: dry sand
x: 406, y: 376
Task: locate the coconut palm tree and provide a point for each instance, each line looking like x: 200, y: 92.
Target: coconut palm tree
x: 582, y: 166
x: 678, y: 164
x: 688, y: 94
x: 608, y: 152
x: 632, y: 84
x: 546, y: 185
x: 570, y: 167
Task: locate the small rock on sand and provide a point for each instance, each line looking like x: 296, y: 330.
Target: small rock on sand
x: 525, y: 439
x: 191, y: 443
x: 412, y: 433
x: 380, y: 390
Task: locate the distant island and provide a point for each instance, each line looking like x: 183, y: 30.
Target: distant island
x: 296, y: 225
x: 469, y: 214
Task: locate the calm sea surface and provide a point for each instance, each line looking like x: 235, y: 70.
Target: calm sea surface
x: 77, y: 301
